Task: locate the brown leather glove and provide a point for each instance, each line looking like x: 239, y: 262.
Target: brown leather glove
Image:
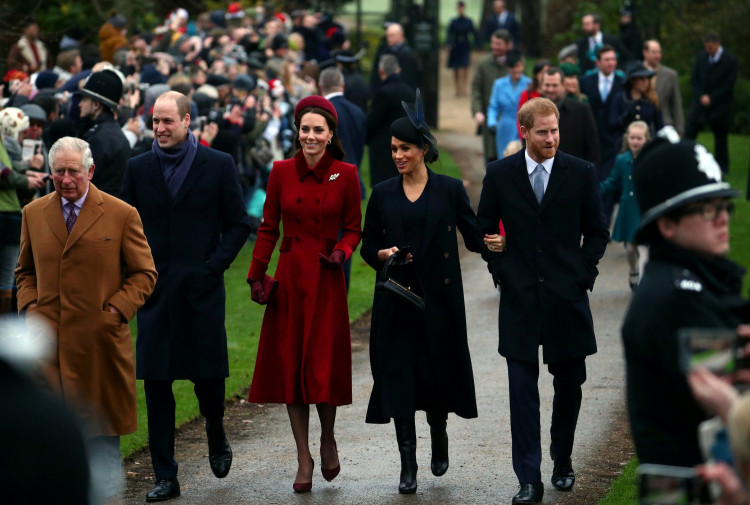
x: 333, y: 261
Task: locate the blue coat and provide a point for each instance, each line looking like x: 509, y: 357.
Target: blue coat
x: 502, y: 111
x: 620, y: 182
x: 194, y: 237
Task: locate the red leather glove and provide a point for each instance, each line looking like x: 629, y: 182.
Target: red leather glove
x: 261, y: 292
x: 256, y: 290
x: 333, y: 261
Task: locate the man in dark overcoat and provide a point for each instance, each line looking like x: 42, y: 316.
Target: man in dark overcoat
x: 548, y: 201
x: 190, y: 201
x: 601, y: 88
x: 350, y: 129
x: 111, y: 149
x: 593, y: 39
x: 395, y: 43
x: 385, y: 109
x: 576, y: 119
x: 713, y: 77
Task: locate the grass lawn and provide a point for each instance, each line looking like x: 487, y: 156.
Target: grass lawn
x: 624, y: 490
x: 243, y: 321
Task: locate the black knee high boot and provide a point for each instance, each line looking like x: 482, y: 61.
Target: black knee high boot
x: 406, y: 435
x: 438, y: 422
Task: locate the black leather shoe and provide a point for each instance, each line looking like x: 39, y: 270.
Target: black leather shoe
x: 165, y: 489
x: 529, y: 493
x: 219, y: 451
x: 563, y: 476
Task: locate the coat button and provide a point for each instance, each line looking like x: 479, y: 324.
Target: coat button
x: 449, y: 227
x: 383, y: 231
x: 296, y: 239
x: 631, y: 193
x: 299, y: 199
x: 637, y: 107
x: 630, y: 177
x: 447, y: 255
x: 541, y: 278
x: 298, y: 219
x: 316, y: 220
x: 638, y: 116
x: 447, y: 280
x: 539, y: 249
x: 317, y: 200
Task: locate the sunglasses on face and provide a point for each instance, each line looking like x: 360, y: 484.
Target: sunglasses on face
x: 708, y: 211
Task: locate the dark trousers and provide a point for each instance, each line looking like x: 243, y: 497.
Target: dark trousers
x: 524, y: 414
x: 160, y: 407
x: 721, y: 138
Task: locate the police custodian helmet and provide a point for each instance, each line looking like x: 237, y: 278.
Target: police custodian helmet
x: 670, y: 173
x: 104, y: 87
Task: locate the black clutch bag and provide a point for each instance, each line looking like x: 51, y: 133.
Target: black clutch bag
x: 393, y: 279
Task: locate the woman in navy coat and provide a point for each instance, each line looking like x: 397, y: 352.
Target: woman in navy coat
x: 459, y: 57
x: 636, y: 102
x: 420, y: 359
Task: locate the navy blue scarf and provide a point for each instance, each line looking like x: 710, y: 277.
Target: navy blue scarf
x: 176, y: 162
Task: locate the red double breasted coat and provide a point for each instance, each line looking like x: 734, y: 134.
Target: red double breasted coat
x: 304, y: 354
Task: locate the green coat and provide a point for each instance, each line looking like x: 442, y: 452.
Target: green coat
x: 486, y: 71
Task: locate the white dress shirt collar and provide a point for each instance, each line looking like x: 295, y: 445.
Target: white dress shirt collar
x: 531, y: 164
x: 333, y: 95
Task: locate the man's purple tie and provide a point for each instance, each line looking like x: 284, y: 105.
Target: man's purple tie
x: 72, y: 216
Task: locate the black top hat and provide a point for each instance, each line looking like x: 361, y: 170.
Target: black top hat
x: 670, y: 173
x: 104, y: 87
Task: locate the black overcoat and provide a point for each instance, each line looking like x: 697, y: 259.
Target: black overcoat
x: 110, y: 150
x: 546, y: 268
x: 385, y: 108
x: 193, y: 237
x: 439, y: 271
x: 717, y: 81
x: 608, y: 137
x: 679, y: 289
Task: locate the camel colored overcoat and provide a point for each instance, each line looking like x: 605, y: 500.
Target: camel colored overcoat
x: 105, y: 260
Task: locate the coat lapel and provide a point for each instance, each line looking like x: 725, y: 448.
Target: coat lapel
x: 435, y: 202
x: 90, y: 214
x: 557, y: 178
x: 194, y: 172
x: 157, y: 180
x: 54, y: 215
x: 520, y: 178
x: 393, y: 208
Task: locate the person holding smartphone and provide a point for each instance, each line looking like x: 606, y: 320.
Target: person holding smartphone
x: 688, y: 283
x: 420, y: 357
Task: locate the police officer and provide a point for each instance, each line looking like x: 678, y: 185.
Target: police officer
x: 109, y: 146
x: 688, y: 283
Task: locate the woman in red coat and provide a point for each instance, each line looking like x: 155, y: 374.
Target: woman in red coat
x: 304, y: 354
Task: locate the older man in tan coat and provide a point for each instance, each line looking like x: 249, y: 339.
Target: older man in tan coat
x: 85, y: 268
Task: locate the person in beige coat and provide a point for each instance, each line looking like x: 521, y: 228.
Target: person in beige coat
x: 84, y: 269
